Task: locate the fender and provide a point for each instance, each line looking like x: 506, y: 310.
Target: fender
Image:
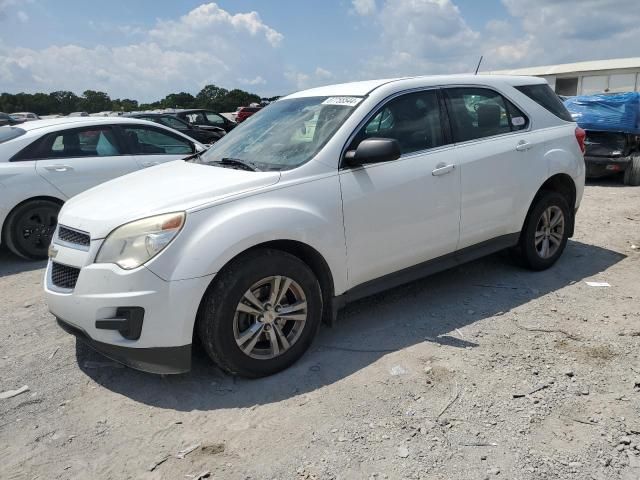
x: 214, y: 236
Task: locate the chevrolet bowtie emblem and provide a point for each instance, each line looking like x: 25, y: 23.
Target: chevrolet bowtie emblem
x: 52, y: 251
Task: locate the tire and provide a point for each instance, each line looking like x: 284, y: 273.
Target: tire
x: 29, y: 228
x: 223, y: 328
x: 632, y: 173
x: 530, y: 250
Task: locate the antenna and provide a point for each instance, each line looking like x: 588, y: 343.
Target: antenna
x: 479, y: 62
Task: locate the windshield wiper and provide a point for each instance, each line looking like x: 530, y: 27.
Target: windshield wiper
x: 193, y: 156
x: 236, y: 162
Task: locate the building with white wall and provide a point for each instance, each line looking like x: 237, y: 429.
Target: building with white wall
x: 585, y: 78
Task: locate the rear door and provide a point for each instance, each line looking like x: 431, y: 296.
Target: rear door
x: 499, y: 164
x: 74, y: 160
x: 154, y: 145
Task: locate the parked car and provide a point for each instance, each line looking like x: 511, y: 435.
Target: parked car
x: 8, y: 120
x: 25, y: 116
x: 245, y: 112
x: 612, y: 125
x: 78, y: 114
x: 274, y: 228
x: 46, y: 162
x: 171, y: 121
x: 205, y: 119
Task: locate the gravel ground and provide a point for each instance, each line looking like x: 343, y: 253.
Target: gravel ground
x: 484, y: 371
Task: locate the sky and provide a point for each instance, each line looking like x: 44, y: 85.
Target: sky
x: 146, y: 49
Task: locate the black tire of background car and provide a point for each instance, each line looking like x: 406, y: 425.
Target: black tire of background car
x: 15, y: 223
x: 632, y: 173
x: 217, y: 309
x: 525, y: 252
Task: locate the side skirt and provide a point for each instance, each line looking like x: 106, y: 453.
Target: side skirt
x: 424, y: 269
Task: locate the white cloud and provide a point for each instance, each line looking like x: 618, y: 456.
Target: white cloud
x: 364, y: 7
x: 22, y: 16
x: 207, y: 45
x: 254, y: 81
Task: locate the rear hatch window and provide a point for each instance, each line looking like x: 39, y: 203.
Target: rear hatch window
x: 9, y: 133
x: 542, y: 94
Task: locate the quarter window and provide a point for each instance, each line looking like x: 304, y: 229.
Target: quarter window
x: 150, y: 141
x: 480, y: 112
x: 412, y: 119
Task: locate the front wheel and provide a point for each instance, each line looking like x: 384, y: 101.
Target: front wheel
x: 261, y: 313
x: 545, y: 232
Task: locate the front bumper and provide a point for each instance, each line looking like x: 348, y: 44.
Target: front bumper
x: 102, y: 291
x: 165, y: 360
x: 602, y: 166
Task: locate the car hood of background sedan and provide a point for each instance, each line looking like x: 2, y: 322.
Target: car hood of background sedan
x: 170, y: 187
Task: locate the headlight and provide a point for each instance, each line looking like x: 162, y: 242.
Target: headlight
x: 135, y: 243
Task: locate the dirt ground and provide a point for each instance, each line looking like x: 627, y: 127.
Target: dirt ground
x: 484, y: 371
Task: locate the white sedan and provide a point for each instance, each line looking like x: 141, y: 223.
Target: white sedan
x: 45, y: 162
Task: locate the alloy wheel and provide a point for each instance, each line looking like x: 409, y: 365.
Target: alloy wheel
x: 549, y: 232
x: 270, y: 317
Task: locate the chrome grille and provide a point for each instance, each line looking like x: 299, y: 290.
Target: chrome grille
x: 63, y: 276
x: 73, y: 236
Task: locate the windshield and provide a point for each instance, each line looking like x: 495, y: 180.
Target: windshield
x: 9, y: 133
x: 285, y: 134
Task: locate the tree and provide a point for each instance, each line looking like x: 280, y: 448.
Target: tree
x: 178, y: 100
x: 238, y: 98
x: 93, y: 101
x: 212, y: 97
x: 124, y: 105
x: 64, y: 102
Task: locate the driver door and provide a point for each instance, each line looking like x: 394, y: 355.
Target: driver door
x: 404, y: 212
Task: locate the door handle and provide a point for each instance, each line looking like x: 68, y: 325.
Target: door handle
x: 442, y: 169
x: 523, y: 146
x: 149, y: 164
x: 58, y: 168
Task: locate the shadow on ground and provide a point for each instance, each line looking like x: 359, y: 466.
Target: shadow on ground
x: 11, y: 264
x: 427, y: 310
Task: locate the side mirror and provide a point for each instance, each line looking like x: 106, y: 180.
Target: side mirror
x: 373, y: 150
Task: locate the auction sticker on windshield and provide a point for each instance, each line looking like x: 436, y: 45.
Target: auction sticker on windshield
x: 346, y: 101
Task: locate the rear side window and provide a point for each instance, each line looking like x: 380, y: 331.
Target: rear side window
x: 75, y: 143
x: 9, y: 133
x: 546, y: 98
x: 480, y: 112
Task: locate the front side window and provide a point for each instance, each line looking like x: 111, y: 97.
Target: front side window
x: 480, y: 112
x: 151, y: 141
x: 412, y: 119
x: 214, y: 118
x: 286, y: 134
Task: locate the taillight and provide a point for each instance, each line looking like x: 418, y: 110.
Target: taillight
x: 581, y: 136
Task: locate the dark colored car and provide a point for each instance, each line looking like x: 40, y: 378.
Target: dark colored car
x: 206, y: 119
x: 612, y: 125
x: 206, y: 136
x: 8, y: 120
x: 246, y: 112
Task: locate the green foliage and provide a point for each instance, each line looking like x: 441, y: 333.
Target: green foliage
x: 63, y: 102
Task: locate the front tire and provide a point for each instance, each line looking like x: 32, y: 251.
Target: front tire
x: 632, y: 173
x: 546, y: 231
x: 29, y: 228
x: 260, y: 314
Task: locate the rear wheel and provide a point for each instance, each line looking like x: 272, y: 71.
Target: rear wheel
x: 29, y: 228
x: 545, y: 232
x: 261, y: 313
x: 632, y: 173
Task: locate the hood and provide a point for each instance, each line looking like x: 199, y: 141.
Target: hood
x: 170, y: 187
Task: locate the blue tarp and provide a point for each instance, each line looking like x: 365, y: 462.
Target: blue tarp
x: 618, y: 112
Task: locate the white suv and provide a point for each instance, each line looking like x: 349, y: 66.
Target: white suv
x: 323, y: 197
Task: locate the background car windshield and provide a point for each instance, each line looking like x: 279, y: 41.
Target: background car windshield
x: 285, y: 134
